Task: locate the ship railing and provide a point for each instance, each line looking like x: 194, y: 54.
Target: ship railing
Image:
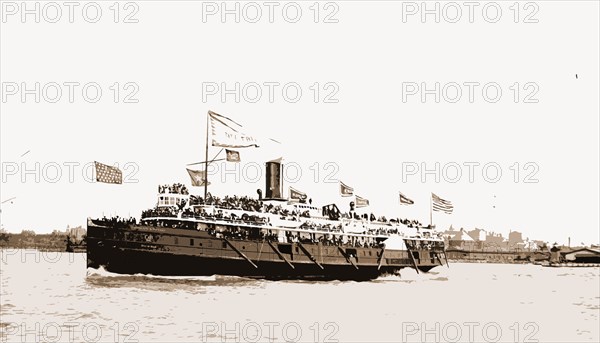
x: 266, y: 226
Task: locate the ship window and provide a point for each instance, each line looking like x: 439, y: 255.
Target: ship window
x: 370, y: 254
x: 176, y: 240
x: 224, y: 245
x: 191, y: 241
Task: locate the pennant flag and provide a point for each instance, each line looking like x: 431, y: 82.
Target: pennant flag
x: 277, y: 160
x: 108, y: 174
x: 227, y: 133
x: 297, y: 195
x: 361, y: 202
x: 440, y: 205
x: 232, y: 155
x: 405, y: 200
x: 346, y: 191
x: 197, y: 176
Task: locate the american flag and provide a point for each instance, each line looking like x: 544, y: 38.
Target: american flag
x: 108, y: 174
x: 441, y: 205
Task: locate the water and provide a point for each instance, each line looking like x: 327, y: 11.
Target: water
x: 52, y: 297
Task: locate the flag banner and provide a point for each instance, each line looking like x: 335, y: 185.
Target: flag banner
x: 197, y: 176
x: 232, y: 155
x: 361, y: 202
x: 440, y: 205
x: 346, y: 191
x: 297, y: 195
x: 227, y: 133
x: 277, y: 160
x: 405, y: 200
x: 108, y: 174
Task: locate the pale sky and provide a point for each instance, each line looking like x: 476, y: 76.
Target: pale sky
x: 175, y: 60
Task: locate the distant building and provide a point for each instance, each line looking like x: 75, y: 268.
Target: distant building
x: 478, y: 234
x: 494, y: 238
x: 515, y: 237
x: 450, y: 233
x: 462, y: 240
x: 528, y: 245
x: 515, y: 240
x: 76, y: 233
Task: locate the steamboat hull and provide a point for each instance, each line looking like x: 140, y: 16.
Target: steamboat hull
x: 182, y: 252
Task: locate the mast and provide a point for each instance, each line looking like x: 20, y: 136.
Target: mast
x: 206, y: 161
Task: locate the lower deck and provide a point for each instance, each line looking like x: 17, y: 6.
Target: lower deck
x: 173, y: 251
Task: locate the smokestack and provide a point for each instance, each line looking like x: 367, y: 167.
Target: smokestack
x: 274, y: 184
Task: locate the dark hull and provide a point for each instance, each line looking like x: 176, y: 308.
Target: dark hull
x: 141, y: 250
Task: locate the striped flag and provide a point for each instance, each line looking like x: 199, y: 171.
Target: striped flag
x: 108, y: 174
x: 441, y: 205
x: 346, y: 191
x: 405, y: 200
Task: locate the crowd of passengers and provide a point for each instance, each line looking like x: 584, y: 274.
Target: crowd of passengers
x: 171, y: 212
x: 248, y: 204
x: 116, y: 221
x: 333, y: 240
x: 176, y: 188
x: 296, y: 237
x: 426, y: 245
x: 245, y: 203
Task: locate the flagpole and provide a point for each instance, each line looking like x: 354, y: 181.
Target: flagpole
x: 206, y: 161
x: 430, y: 211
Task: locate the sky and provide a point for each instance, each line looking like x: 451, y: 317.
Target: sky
x: 348, y: 88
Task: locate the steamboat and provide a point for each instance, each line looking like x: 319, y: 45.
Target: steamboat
x: 271, y: 237
x: 275, y: 240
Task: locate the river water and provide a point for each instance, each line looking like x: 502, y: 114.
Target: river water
x: 53, y: 297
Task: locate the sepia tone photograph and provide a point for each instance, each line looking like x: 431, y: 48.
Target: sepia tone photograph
x: 299, y: 171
